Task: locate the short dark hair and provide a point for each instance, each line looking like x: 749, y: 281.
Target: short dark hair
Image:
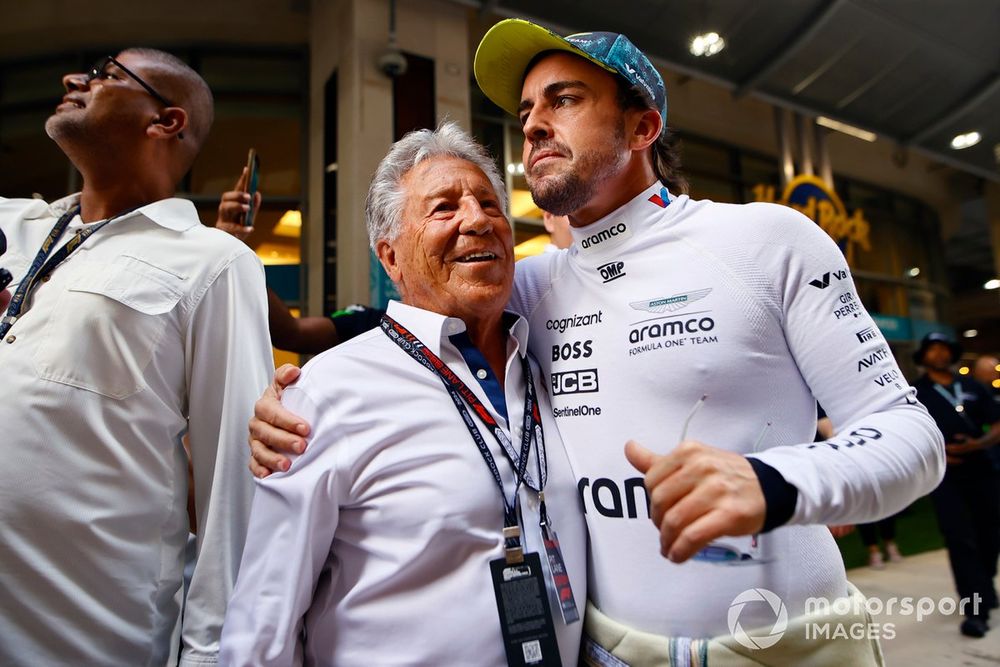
x: 187, y: 89
x: 666, y: 149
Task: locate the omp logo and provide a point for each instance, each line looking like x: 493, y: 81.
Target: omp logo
x: 572, y: 321
x: 866, y: 335
x: 619, y: 232
x: 612, y: 271
x: 575, y: 382
x: 768, y: 638
x: 671, y: 303
x: 824, y: 282
x: 574, y: 350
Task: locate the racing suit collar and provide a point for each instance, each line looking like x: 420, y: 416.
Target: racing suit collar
x: 613, y: 230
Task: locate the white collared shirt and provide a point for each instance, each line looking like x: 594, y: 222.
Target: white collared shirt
x: 377, y: 542
x: 154, y: 326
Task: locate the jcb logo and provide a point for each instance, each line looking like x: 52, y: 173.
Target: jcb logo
x: 575, y: 382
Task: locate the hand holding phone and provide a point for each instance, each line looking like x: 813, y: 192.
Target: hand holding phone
x: 253, y: 175
x: 237, y: 207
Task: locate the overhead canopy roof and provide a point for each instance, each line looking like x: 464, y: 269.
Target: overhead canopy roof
x: 918, y: 72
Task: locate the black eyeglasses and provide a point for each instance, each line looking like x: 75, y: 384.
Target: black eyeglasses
x: 100, y: 69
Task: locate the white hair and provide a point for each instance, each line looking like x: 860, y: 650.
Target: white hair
x: 385, y: 201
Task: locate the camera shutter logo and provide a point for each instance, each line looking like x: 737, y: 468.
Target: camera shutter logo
x: 757, y: 641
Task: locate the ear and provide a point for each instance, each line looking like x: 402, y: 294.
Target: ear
x: 170, y: 123
x: 387, y: 256
x: 648, y: 124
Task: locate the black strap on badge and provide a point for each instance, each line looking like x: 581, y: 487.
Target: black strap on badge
x: 462, y: 395
x: 43, y: 264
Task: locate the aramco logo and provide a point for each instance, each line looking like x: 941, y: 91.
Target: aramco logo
x: 762, y: 638
x: 812, y: 197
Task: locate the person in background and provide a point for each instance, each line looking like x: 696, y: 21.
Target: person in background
x: 967, y: 502
x: 870, y: 534
x: 130, y: 324
x: 986, y: 371
x: 302, y: 335
x: 558, y: 228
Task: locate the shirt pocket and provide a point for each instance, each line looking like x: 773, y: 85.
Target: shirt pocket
x: 105, y: 326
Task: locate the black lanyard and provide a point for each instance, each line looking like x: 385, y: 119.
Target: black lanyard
x: 462, y: 395
x: 44, y: 264
x: 957, y: 401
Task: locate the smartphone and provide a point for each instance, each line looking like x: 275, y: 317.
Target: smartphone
x: 253, y: 175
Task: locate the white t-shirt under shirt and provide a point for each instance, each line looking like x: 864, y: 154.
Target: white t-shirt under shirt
x: 660, y: 303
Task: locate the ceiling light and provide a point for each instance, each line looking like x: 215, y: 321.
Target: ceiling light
x: 996, y: 384
x: 855, y: 132
x: 970, y: 333
x: 991, y: 284
x: 707, y: 44
x: 964, y: 370
x: 290, y: 224
x: 913, y: 272
x: 966, y: 140
x: 515, y: 169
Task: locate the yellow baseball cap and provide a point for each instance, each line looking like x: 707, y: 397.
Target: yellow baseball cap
x: 510, y: 45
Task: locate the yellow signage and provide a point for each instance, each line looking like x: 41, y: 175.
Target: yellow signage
x: 812, y: 197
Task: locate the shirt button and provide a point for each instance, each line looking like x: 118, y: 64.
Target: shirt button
x: 481, y: 374
x: 11, y: 338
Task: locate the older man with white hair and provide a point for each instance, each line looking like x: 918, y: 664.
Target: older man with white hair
x: 381, y: 540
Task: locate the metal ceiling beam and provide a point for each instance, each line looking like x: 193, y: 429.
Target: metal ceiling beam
x: 825, y: 66
x: 805, y: 33
x: 986, y: 90
x: 783, y: 102
x: 870, y: 83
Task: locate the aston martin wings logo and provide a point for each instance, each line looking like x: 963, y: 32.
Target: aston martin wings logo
x: 671, y: 303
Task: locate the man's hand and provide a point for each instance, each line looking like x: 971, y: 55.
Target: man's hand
x: 955, y: 451
x: 698, y: 493
x: 233, y: 208
x: 273, y: 429
x: 5, y: 298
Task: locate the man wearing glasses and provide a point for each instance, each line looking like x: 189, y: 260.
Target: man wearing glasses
x: 129, y: 324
